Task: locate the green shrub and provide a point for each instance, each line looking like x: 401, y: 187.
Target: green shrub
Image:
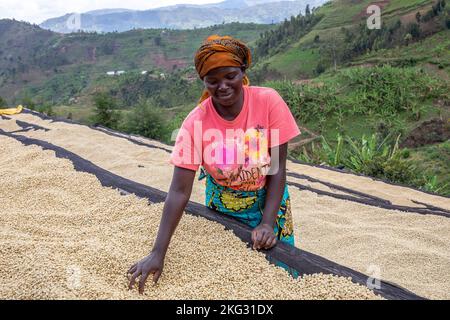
x: 2, y: 103
x: 432, y: 185
x: 146, y: 119
x: 105, y: 112
x: 27, y: 102
x: 397, y: 169
x: 373, y: 157
x: 384, y: 92
x: 46, y: 109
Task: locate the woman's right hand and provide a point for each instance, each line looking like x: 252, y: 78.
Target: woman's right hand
x: 152, y: 264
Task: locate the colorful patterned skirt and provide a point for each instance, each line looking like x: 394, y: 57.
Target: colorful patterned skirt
x: 248, y: 206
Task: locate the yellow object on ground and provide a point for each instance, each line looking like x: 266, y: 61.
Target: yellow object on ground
x: 11, y: 111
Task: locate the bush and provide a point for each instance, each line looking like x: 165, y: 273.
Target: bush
x: 146, y: 119
x: 375, y: 158
x: 383, y: 91
x: 105, y: 112
x: 399, y: 170
x: 27, y: 102
x: 46, y: 109
x: 414, y: 30
x: 320, y: 68
x: 386, y: 90
x: 307, y: 102
x: 2, y: 103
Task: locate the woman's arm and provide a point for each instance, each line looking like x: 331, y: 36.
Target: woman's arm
x: 177, y: 198
x: 263, y: 236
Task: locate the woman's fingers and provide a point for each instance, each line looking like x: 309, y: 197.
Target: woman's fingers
x: 132, y: 269
x: 271, y: 243
x: 142, y: 281
x: 254, y: 232
x: 156, y: 275
x: 144, y: 276
x: 263, y: 239
x: 267, y: 239
x: 133, y: 279
x: 259, y: 237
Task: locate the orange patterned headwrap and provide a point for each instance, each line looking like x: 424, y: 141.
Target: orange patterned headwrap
x: 217, y: 52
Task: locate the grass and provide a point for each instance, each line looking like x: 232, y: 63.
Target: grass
x: 341, y: 13
x: 404, y: 5
x: 434, y: 50
x: 434, y: 160
x: 81, y: 114
x: 296, y: 63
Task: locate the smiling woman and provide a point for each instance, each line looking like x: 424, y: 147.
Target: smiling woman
x: 239, y: 135
x: 225, y: 86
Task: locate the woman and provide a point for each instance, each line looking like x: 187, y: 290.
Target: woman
x: 239, y: 135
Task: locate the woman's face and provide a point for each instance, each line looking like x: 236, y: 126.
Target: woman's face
x: 225, y: 85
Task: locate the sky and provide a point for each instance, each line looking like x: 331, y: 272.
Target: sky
x: 37, y: 11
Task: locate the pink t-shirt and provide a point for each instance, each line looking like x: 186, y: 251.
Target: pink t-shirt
x: 236, y: 153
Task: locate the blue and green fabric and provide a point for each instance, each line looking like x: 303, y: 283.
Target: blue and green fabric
x: 248, y: 207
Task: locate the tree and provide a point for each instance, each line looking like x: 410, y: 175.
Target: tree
x: 332, y: 51
x: 2, y: 102
x: 28, y: 103
x: 104, y: 112
x: 414, y: 30
x: 408, y: 38
x: 418, y: 17
x: 320, y: 68
x: 46, y: 108
x: 107, y: 47
x: 147, y: 120
x: 348, y: 35
x: 157, y: 40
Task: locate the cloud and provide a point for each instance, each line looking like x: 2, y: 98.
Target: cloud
x: 36, y: 11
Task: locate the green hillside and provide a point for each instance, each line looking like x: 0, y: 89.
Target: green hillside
x: 372, y: 101
x: 55, y: 67
x: 341, y: 35
x: 432, y: 53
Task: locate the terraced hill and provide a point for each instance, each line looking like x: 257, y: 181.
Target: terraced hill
x: 343, y: 21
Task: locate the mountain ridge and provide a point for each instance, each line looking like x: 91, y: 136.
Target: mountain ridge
x: 183, y: 16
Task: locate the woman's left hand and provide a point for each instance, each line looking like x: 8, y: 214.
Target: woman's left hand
x: 263, y: 237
